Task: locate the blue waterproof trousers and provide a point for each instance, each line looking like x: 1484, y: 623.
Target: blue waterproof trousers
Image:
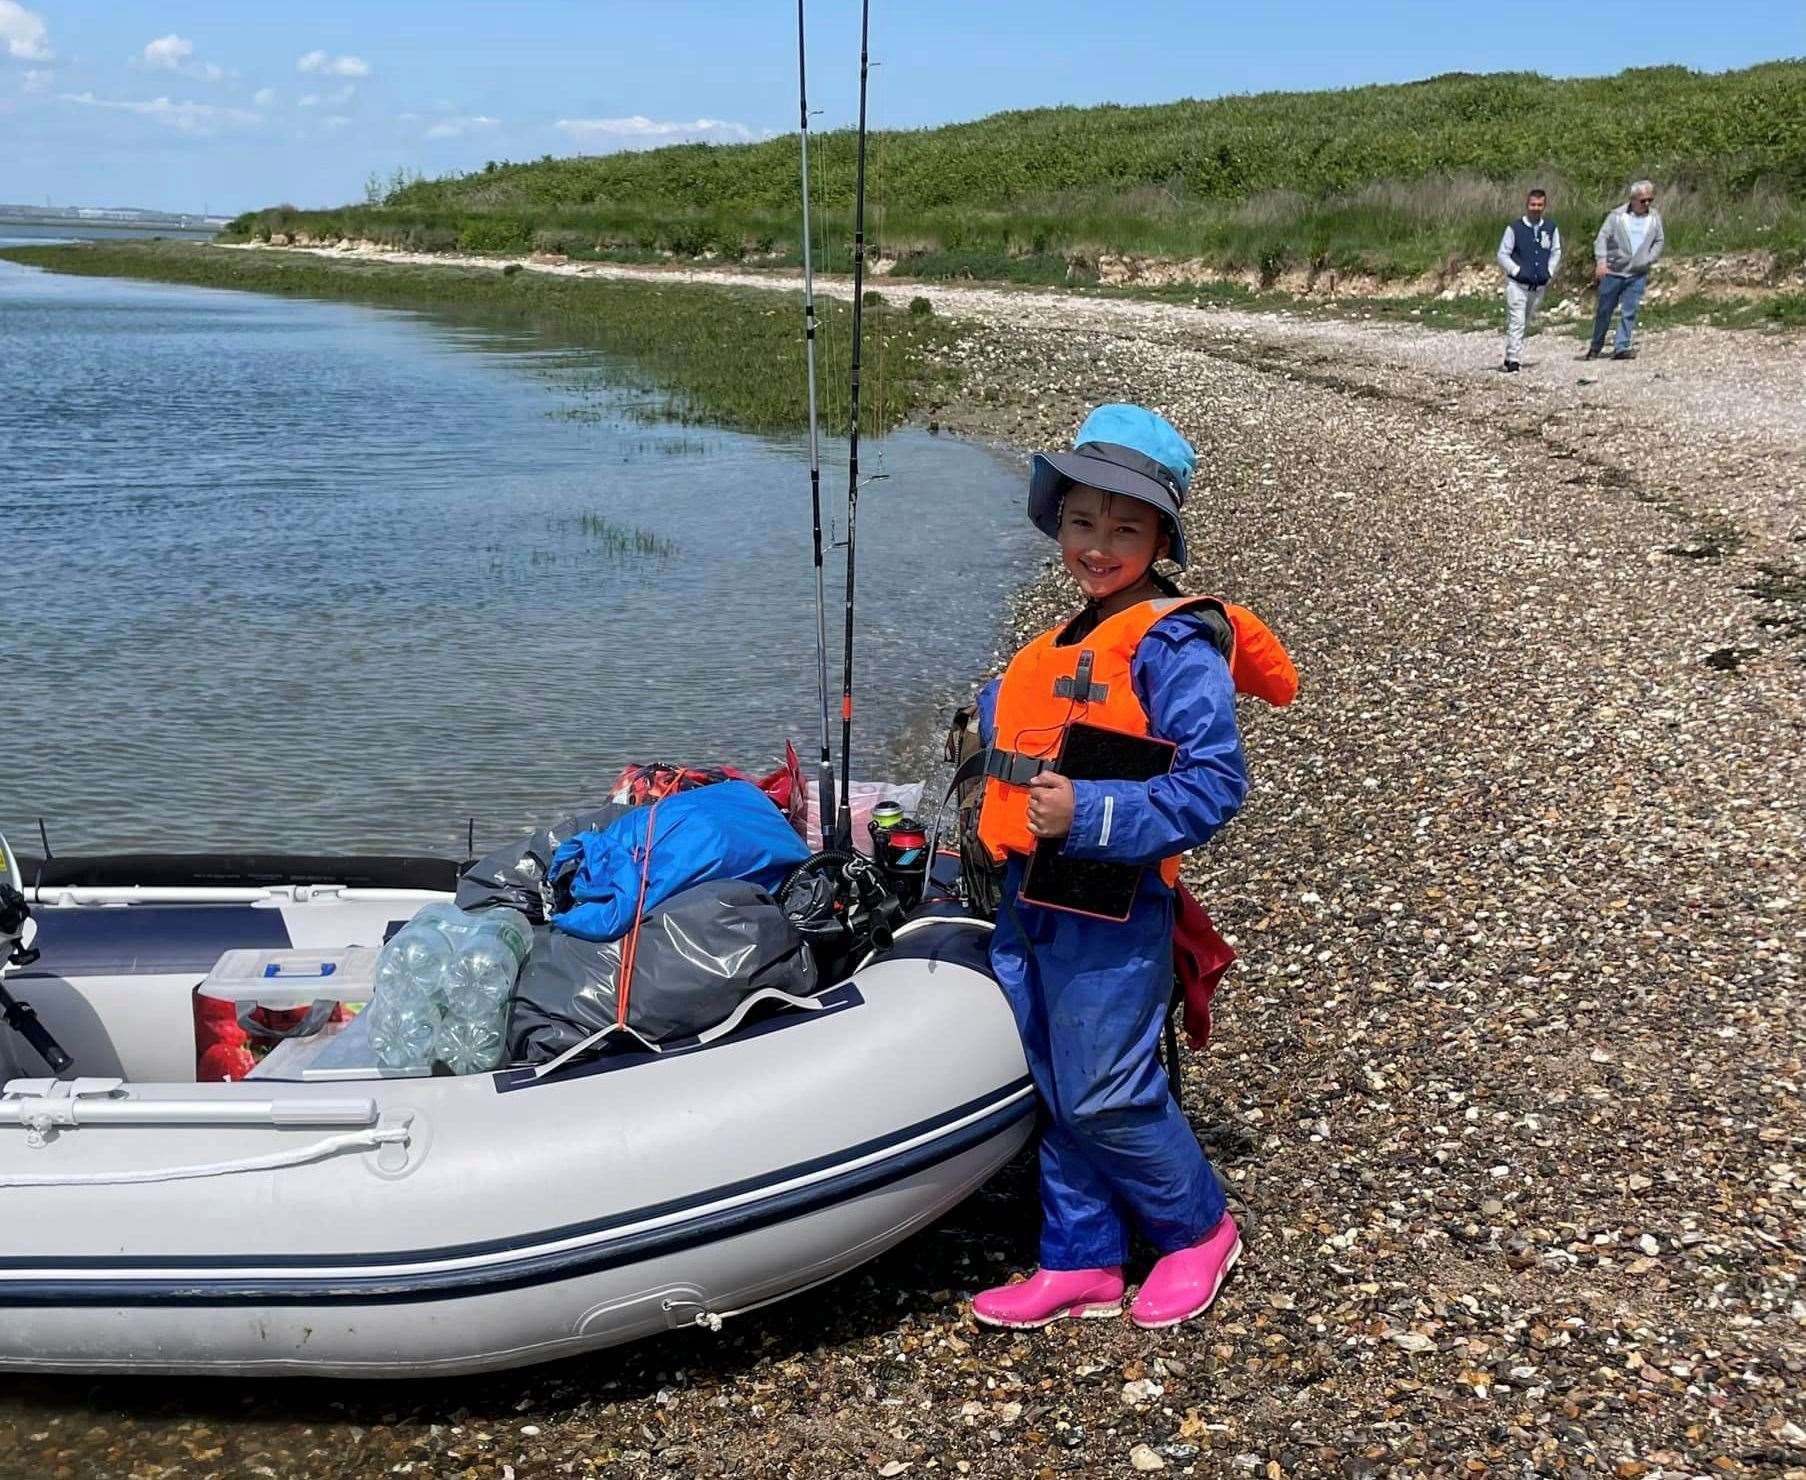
x: 1090, y: 998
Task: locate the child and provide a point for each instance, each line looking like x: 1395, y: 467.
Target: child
x: 1090, y: 996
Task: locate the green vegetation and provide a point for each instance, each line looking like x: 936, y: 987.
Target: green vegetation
x: 620, y: 540
x: 1393, y: 180
x: 708, y: 354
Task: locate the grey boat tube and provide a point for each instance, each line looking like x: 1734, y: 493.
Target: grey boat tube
x: 405, y: 1226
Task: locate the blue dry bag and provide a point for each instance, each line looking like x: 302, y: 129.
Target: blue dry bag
x: 726, y: 831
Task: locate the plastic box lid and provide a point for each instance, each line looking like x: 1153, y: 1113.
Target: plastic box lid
x: 293, y: 978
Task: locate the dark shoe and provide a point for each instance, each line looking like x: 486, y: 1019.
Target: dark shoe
x: 1624, y: 354
x: 1593, y: 352
x: 1511, y: 367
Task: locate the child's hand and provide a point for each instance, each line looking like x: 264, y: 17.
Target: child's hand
x: 1050, y: 805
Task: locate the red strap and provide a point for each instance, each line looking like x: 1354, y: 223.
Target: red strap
x: 1200, y: 957
x: 631, y: 950
x: 631, y: 947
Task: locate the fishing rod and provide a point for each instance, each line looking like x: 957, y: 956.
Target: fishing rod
x: 843, y: 820
x: 824, y: 774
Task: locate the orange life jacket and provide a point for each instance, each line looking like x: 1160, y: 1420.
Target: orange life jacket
x: 1050, y: 685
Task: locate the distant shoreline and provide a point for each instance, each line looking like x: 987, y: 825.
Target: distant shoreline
x: 206, y: 226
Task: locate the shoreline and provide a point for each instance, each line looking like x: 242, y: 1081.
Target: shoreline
x: 1710, y: 383
x: 1510, y: 1066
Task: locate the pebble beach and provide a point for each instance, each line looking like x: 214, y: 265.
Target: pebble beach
x: 1509, y: 1074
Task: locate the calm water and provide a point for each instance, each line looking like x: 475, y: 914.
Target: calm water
x: 307, y: 576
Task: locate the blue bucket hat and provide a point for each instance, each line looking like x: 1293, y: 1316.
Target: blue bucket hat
x: 1120, y: 449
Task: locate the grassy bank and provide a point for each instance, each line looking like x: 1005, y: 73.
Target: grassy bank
x: 717, y: 355
x: 1395, y: 181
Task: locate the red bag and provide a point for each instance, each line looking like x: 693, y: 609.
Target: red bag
x: 639, y: 784
x: 1200, y: 957
x: 788, y: 790
x: 221, y: 1048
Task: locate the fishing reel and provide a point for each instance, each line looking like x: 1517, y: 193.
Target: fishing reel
x: 841, y: 904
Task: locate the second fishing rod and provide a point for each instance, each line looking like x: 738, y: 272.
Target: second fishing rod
x: 843, y: 819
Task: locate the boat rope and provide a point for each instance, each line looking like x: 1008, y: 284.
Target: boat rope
x: 760, y: 998
x: 297, y: 1156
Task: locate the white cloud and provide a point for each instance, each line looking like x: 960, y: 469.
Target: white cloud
x: 640, y: 132
x: 173, y: 53
x: 319, y: 61
x: 337, y: 98
x: 35, y: 79
x: 264, y: 96
x: 169, y: 51
x: 187, y: 118
x: 24, y: 33
x: 451, y: 128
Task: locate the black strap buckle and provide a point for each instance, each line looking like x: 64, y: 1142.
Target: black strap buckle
x: 1012, y: 767
x: 1079, y: 688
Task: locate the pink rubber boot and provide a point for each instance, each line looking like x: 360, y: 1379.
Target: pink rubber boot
x: 1183, y: 1284
x: 1050, y: 1295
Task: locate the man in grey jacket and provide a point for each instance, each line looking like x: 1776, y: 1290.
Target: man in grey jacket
x: 1529, y: 256
x: 1628, y: 245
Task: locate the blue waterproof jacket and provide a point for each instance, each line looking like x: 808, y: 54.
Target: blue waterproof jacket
x: 1090, y: 996
x: 729, y: 830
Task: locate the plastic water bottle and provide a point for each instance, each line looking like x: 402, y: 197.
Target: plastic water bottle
x: 442, y: 988
x: 472, y: 1044
x: 479, y: 978
x: 512, y: 929
x: 421, y: 952
x: 404, y: 1021
x: 410, y: 982
x: 448, y: 919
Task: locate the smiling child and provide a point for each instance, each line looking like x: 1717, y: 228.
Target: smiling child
x: 1090, y: 995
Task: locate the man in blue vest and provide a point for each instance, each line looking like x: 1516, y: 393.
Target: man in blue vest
x: 1530, y: 256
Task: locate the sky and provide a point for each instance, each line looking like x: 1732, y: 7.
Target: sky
x: 233, y: 104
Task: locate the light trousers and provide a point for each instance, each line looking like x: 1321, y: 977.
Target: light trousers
x: 1521, y: 304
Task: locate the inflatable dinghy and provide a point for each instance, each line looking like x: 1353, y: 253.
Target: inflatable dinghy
x: 345, y: 1221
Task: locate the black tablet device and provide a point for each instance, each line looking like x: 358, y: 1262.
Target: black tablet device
x: 1087, y: 886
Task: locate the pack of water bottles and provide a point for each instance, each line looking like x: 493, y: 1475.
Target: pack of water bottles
x: 443, y: 984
